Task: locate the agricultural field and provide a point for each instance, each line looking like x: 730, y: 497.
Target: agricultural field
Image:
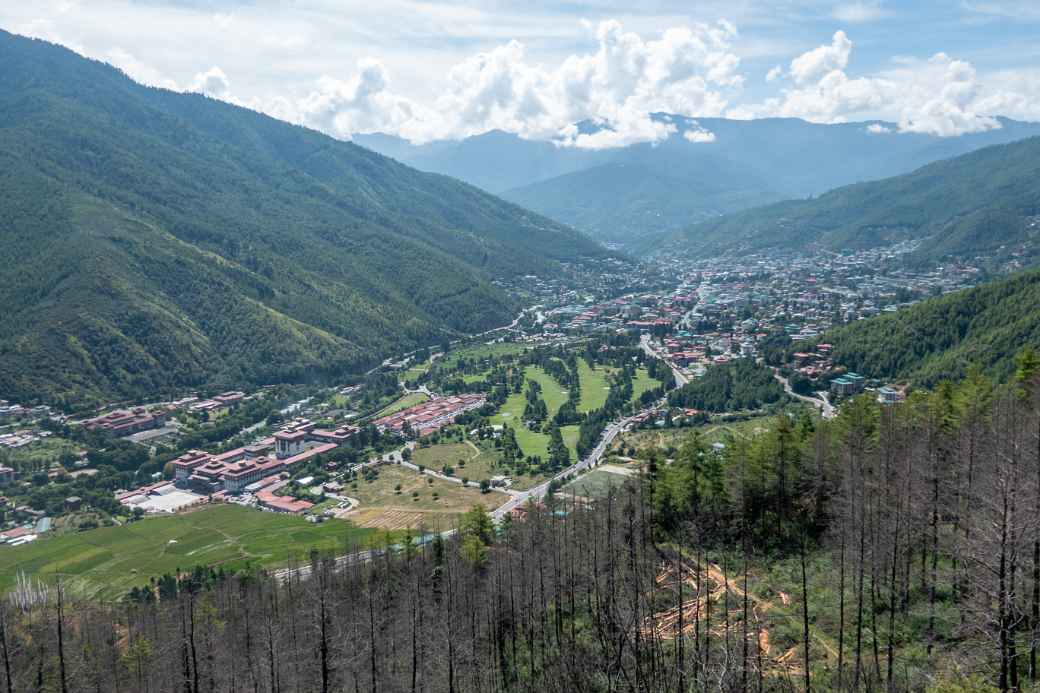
x: 409, y: 400
x: 594, y: 386
x: 109, y: 561
x: 399, y: 498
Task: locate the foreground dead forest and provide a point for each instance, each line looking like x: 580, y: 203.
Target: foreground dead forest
x: 894, y: 548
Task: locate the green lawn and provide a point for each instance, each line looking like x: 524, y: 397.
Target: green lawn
x: 111, y: 560
x: 641, y: 383
x: 512, y: 413
x: 594, y: 386
x: 552, y: 392
x: 409, y: 400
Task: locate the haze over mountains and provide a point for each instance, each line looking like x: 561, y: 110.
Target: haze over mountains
x: 155, y: 240
x: 984, y: 204
x: 630, y: 194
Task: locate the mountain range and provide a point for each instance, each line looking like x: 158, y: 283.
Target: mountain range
x: 983, y: 206
x: 154, y: 241
x: 631, y: 195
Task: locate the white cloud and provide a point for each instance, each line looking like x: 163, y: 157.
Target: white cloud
x: 687, y: 70
x: 213, y: 82
x: 939, y: 96
x: 878, y: 129
x: 859, y: 12
x: 364, y: 103
x: 138, y: 69
x: 822, y: 60
x: 699, y: 135
x: 461, y: 69
x: 945, y: 105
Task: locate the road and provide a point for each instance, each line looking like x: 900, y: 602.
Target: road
x: 593, y: 458
x: 680, y: 377
x: 821, y: 402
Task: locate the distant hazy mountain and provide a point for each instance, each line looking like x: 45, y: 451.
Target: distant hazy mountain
x: 154, y: 240
x: 625, y: 194
x: 986, y: 203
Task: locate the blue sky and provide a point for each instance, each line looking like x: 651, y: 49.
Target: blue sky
x: 427, y: 70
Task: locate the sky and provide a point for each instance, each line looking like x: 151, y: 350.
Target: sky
x: 427, y: 70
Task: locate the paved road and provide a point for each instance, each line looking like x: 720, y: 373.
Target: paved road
x: 680, y: 377
x: 821, y: 402
x: 593, y: 458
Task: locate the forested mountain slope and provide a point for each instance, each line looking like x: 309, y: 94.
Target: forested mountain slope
x: 663, y: 187
x: 153, y: 240
x: 942, y: 338
x: 984, y: 203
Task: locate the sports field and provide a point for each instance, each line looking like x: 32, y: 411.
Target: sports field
x: 110, y: 560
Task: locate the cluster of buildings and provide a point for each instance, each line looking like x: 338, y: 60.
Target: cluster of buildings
x: 10, y: 411
x: 430, y: 416
x: 222, y: 402
x: 236, y: 470
x: 125, y: 422
x: 257, y: 469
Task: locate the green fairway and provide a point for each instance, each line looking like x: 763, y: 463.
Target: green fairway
x: 111, y: 560
x: 512, y: 413
x: 594, y: 386
x: 552, y: 392
x: 641, y: 383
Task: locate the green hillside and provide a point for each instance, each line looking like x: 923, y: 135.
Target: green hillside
x: 941, y: 338
x: 153, y: 241
x: 984, y: 203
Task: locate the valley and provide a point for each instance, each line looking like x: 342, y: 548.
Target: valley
x: 531, y: 383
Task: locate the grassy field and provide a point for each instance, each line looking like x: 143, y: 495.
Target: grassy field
x: 594, y: 386
x: 479, y: 464
x: 479, y: 351
x: 710, y: 433
x: 409, y: 400
x: 436, y: 456
x: 111, y: 560
x: 641, y: 383
x: 415, y: 372
x: 387, y: 501
x: 512, y: 413
x: 552, y: 392
x: 595, y: 484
